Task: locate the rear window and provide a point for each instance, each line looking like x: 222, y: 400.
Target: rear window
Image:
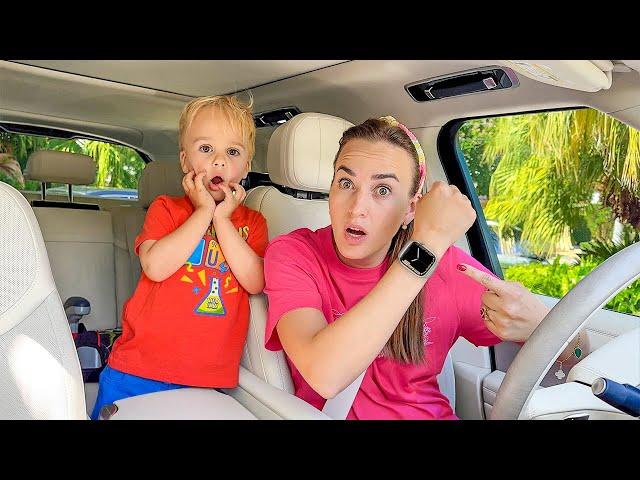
x: 117, y: 174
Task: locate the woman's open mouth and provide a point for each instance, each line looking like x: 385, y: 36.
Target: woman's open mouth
x: 354, y: 234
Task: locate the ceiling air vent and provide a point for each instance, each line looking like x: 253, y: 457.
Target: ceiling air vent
x: 275, y: 117
x: 463, y: 83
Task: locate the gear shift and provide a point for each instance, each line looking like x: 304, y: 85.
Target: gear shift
x: 624, y: 397
x: 76, y: 308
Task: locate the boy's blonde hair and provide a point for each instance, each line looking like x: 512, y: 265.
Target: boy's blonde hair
x: 238, y: 114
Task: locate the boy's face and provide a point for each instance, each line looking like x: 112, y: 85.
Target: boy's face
x: 210, y: 145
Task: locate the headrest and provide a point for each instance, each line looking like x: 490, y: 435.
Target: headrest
x: 301, y: 151
x: 159, y: 178
x: 61, y: 167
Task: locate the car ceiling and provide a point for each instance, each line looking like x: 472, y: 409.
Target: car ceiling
x: 139, y: 102
x: 187, y: 77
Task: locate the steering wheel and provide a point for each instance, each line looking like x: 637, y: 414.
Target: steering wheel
x: 557, y: 329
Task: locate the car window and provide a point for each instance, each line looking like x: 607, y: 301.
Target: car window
x: 117, y: 174
x: 560, y: 192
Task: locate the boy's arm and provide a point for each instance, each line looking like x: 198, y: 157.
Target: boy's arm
x: 162, y: 258
x: 246, y: 265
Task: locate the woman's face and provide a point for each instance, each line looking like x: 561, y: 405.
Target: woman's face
x: 371, y: 196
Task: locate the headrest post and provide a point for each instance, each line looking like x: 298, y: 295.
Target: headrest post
x: 70, y: 193
x: 42, y: 191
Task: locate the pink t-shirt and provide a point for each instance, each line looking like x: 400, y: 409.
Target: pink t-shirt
x: 302, y: 269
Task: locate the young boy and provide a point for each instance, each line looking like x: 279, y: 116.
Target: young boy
x: 201, y: 255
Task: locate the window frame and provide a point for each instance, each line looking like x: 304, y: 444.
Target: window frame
x: 54, y: 132
x: 457, y: 172
x: 28, y: 129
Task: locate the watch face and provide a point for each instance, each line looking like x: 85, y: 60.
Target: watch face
x: 417, y: 258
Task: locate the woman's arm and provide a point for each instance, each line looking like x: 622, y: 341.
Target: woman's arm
x: 331, y: 356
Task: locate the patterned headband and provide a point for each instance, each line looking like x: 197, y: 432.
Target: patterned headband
x: 422, y: 169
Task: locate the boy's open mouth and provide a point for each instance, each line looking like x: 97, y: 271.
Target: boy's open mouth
x: 215, y: 182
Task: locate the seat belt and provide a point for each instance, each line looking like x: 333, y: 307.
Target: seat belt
x: 338, y: 407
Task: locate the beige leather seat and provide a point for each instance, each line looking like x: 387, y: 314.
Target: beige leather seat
x: 300, y: 156
x: 40, y: 375
x: 79, y: 242
x: 157, y: 178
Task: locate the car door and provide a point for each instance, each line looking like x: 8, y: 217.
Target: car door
x: 556, y: 194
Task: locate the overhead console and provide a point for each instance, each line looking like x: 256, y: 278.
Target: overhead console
x: 462, y: 83
x: 584, y: 75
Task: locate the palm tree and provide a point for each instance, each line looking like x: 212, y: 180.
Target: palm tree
x: 117, y: 165
x: 549, y: 166
x: 10, y: 170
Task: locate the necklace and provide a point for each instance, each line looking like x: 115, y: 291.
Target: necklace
x: 577, y: 351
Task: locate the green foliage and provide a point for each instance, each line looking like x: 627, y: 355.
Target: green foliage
x: 471, y: 138
x: 598, y: 251
x: 118, y: 166
x: 11, y: 180
x: 10, y: 169
x: 556, y: 279
x: 544, y: 170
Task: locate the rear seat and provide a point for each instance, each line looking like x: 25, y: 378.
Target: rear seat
x: 79, y: 242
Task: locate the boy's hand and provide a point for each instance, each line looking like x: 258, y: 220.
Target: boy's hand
x: 197, y: 192
x: 231, y: 200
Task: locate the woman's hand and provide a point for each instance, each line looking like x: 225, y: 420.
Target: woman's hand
x: 511, y: 312
x: 442, y: 216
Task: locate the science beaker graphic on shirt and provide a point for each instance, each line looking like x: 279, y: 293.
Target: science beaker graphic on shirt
x: 212, y: 303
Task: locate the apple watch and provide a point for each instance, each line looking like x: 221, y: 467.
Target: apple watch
x: 417, y: 258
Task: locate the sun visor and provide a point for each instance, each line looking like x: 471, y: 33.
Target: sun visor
x: 584, y: 75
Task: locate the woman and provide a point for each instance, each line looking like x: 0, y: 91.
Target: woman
x: 340, y: 301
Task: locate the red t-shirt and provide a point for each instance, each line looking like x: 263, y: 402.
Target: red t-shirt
x: 189, y: 329
x: 302, y: 269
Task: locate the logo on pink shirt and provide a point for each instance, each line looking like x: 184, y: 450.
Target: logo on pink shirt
x: 426, y: 331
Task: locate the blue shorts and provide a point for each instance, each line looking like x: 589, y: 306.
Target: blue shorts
x: 116, y: 385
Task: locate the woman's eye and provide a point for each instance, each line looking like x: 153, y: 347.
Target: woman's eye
x: 233, y: 152
x: 383, y: 191
x: 344, y: 183
x: 205, y: 148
